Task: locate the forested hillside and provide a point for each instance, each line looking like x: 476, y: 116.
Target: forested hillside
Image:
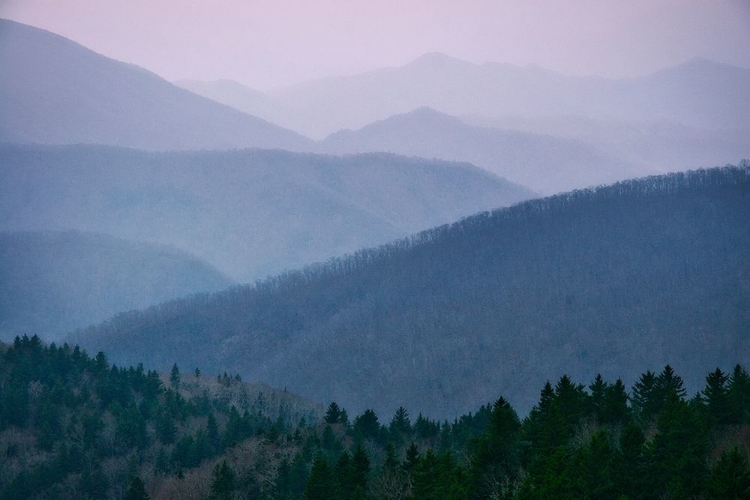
x: 250, y: 213
x: 74, y: 426
x: 54, y: 282
x: 612, y: 280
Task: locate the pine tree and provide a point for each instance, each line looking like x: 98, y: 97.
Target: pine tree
x: 717, y: 397
x: 739, y: 396
x: 598, y: 393
x: 321, y: 484
x: 645, y: 399
x: 212, y: 432
x: 174, y: 377
x: 730, y: 477
x: 136, y: 490
x: 333, y: 414
x: 400, y: 422
x: 633, y: 463
x: 366, y: 425
x: 222, y: 482
x: 596, y: 468
x: 668, y: 383
x: 360, y: 472
x: 615, y: 407
x: 496, y: 458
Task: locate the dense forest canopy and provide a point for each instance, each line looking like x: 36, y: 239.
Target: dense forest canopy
x: 75, y: 426
x: 614, y: 279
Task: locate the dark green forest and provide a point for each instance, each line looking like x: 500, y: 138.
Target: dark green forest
x: 613, y: 280
x: 74, y: 426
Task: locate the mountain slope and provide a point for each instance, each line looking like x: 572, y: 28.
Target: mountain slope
x: 52, y: 283
x: 613, y: 280
x: 544, y: 163
x: 55, y: 91
x: 234, y: 94
x: 250, y: 212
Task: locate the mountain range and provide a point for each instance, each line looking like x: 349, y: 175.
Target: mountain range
x: 547, y: 131
x: 637, y: 274
x: 698, y: 93
x: 544, y: 163
x: 250, y: 213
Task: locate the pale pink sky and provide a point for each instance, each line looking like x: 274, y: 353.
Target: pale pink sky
x: 270, y: 43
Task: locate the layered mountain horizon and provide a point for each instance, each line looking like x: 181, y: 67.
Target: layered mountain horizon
x: 415, y: 241
x: 588, y: 282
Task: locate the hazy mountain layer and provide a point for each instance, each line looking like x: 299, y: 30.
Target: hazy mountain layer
x: 544, y: 163
x: 614, y: 280
x: 698, y: 93
x: 654, y: 146
x: 251, y: 212
x: 52, y: 283
x: 54, y: 91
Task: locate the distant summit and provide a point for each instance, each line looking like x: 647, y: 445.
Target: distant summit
x: 438, y: 60
x: 544, y: 163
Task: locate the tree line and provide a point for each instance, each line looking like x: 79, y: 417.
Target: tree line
x: 75, y: 426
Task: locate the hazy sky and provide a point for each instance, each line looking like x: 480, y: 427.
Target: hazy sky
x: 269, y: 43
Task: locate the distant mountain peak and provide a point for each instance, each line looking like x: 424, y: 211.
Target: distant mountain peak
x: 432, y: 59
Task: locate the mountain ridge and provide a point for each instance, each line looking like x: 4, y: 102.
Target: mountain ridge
x: 458, y: 87
x: 111, y: 102
x: 595, y: 280
x: 545, y: 163
x: 249, y: 212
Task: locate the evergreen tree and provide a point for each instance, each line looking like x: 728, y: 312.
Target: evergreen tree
x: 677, y: 452
x: 321, y: 485
x: 597, y: 466
x: 669, y: 383
x: 496, y: 458
x: 615, y: 409
x: 400, y: 422
x: 333, y: 414
x: 646, y: 400
x: 136, y: 490
x: 630, y: 475
x: 212, y: 432
x: 174, y: 377
x: 360, y: 473
x: 366, y: 426
x: 598, y: 391
x: 739, y: 396
x: 222, y: 482
x: 717, y: 397
x: 730, y: 477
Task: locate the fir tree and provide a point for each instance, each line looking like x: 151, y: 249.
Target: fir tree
x: 136, y: 490
x: 222, y: 482
x: 730, y: 477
